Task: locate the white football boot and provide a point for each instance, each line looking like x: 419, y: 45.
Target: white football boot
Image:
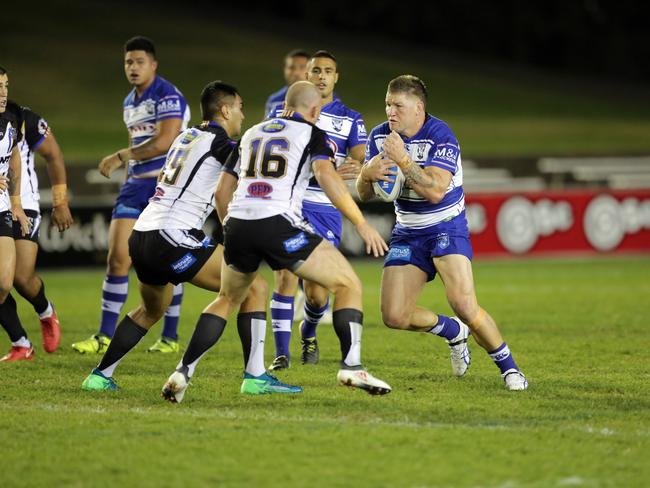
x: 360, y: 378
x: 174, y: 389
x: 459, y: 351
x: 515, y: 380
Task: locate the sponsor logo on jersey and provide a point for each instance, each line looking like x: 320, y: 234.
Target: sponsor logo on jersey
x: 189, y: 136
x: 42, y: 127
x: 5, y: 159
x: 361, y: 129
x: 295, y: 243
x: 399, y: 253
x: 274, y: 126
x: 259, y: 189
x: 332, y: 144
x: 142, y: 130
x: 183, y: 263
x: 447, y: 154
x: 169, y: 105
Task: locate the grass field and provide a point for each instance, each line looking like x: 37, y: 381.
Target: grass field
x: 66, y: 63
x: 577, y: 328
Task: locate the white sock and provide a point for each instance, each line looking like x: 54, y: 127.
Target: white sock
x: 22, y: 342
x: 47, y: 313
x: 354, y: 354
x: 255, y: 364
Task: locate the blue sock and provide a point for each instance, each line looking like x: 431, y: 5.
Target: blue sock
x: 173, y: 313
x: 503, y: 359
x: 445, y: 327
x: 281, y: 321
x: 114, y: 292
x: 312, y: 317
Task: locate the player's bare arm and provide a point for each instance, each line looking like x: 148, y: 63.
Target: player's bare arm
x: 337, y: 192
x: 430, y: 183
x: 17, y: 212
x: 351, y: 168
x: 226, y: 187
x: 166, y: 132
x: 50, y: 151
x: 377, y: 168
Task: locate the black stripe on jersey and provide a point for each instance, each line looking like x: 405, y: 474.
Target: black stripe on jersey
x: 303, y: 158
x: 195, y: 169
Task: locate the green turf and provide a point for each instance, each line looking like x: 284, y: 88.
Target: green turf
x: 577, y: 328
x: 67, y: 64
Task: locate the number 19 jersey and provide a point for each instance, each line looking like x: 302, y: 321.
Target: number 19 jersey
x: 273, y: 166
x: 184, y: 195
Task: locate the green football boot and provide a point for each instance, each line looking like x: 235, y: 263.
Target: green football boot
x: 96, y: 344
x: 265, y: 384
x: 96, y: 381
x: 164, y: 345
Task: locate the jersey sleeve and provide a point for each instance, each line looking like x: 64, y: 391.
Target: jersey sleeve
x: 358, y: 133
x: 222, y: 146
x: 36, y: 128
x: 446, y: 152
x: 371, y: 146
x: 233, y: 164
x: 319, y: 147
x: 171, y: 104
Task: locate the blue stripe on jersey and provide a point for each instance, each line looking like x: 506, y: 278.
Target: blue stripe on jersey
x: 422, y: 206
x: 160, y: 101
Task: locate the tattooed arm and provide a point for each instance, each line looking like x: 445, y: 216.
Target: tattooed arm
x: 430, y: 183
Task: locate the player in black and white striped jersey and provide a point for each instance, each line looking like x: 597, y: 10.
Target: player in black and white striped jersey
x: 266, y: 180
x: 167, y: 245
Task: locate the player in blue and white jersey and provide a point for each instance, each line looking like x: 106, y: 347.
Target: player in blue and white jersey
x: 155, y: 112
x: 295, y: 69
x: 346, y: 134
x: 431, y: 234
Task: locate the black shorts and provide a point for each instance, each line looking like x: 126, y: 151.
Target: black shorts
x: 6, y: 224
x: 276, y: 240
x: 169, y: 256
x: 34, y: 217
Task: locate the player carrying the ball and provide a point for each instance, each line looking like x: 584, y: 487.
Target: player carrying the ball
x: 431, y: 234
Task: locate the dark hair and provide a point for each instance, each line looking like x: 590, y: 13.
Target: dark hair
x: 214, y: 96
x: 3, y: 71
x: 409, y: 84
x: 140, y: 43
x: 324, y: 54
x: 297, y: 53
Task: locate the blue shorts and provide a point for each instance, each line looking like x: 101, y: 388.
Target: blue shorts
x: 327, y: 222
x: 419, y: 246
x: 134, y: 197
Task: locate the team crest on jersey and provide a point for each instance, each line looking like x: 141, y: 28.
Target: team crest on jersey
x: 419, y: 150
x: 443, y: 241
x: 42, y: 127
x: 337, y: 124
x: 259, y: 189
x: 275, y: 125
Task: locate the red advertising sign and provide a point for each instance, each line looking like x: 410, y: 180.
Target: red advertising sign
x: 581, y: 221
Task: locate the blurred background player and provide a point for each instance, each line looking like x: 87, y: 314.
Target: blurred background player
x: 346, y: 133
x: 10, y: 212
x: 38, y: 138
x: 295, y: 69
x: 155, y: 111
x: 430, y: 235
x: 266, y: 182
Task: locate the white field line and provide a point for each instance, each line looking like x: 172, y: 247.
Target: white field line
x: 180, y: 410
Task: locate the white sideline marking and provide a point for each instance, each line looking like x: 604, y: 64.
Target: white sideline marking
x: 243, y: 415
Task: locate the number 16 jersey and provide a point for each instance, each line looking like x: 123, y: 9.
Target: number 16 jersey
x: 273, y: 166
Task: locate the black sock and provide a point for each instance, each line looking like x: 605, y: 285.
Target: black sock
x: 127, y: 335
x: 244, y: 328
x: 9, y: 319
x: 207, y: 332
x: 39, y: 302
x: 347, y: 325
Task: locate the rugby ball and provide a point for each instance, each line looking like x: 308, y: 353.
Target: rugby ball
x: 388, y: 191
